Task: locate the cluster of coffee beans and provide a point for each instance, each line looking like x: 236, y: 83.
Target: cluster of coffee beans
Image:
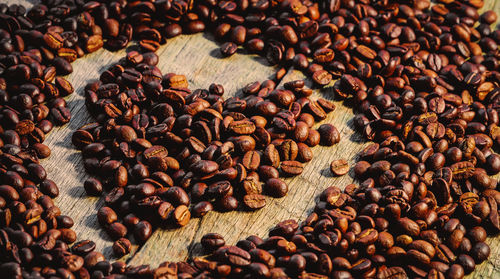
x: 35, y: 48
x: 424, y: 80
x: 425, y: 84
x: 351, y: 237
x: 164, y: 153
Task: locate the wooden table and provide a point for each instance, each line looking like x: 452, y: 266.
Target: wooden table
x: 197, y: 57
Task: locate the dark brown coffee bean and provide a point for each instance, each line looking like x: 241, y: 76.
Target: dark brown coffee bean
x: 63, y: 67
x: 305, y: 153
x: 212, y: 241
x: 251, y: 160
x: 322, y: 77
x: 121, y: 247
x: 61, y: 115
x: 116, y: 230
x: 276, y: 187
x: 49, y: 188
x: 202, y: 208
x: 329, y: 134
x: 228, y: 49
x: 480, y: 251
x: 93, y: 187
x: 106, y: 215
x: 83, y: 247
x: 142, y: 231
x: 227, y: 203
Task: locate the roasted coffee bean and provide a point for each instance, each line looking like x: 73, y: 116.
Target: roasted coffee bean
x: 106, y: 215
x: 181, y: 215
x: 202, y: 208
x: 142, y: 231
x: 339, y: 167
x: 290, y: 168
x: 121, y: 247
x: 480, y: 252
x: 329, y: 134
x: 322, y: 77
x: 212, y: 241
x: 84, y: 247
x: 61, y: 115
x: 276, y: 187
x: 93, y: 187
x: 254, y: 201
x: 228, y: 49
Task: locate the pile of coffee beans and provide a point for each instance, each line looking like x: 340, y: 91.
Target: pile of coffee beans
x: 350, y: 237
x: 424, y: 82
x: 164, y: 153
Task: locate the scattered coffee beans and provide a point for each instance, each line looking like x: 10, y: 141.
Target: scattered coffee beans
x: 170, y: 153
x: 423, y: 80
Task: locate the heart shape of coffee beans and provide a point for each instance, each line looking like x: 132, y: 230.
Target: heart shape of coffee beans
x: 424, y: 82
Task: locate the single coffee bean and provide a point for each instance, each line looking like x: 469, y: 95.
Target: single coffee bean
x: 291, y: 168
x: 329, y: 134
x: 276, y: 187
x: 339, y: 167
x: 93, y: 187
x: 121, y: 247
x: 212, y: 241
x: 83, y: 247
x: 106, y: 215
x: 254, y: 201
x: 142, y: 231
x: 181, y: 215
x: 228, y: 49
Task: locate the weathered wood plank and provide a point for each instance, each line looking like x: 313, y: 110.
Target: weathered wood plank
x: 194, y: 57
x: 299, y: 201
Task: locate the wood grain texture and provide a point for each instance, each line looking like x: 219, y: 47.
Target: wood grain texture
x: 299, y: 201
x: 196, y: 56
x: 188, y: 55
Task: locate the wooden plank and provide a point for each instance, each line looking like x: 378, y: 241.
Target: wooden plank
x: 299, y: 201
x: 196, y: 57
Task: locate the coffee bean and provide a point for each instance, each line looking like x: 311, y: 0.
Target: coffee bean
x: 480, y: 251
x: 106, y: 215
x: 339, y: 167
x: 61, y: 115
x: 49, y: 188
x: 212, y: 241
x: 181, y: 215
x: 329, y: 134
x: 322, y: 77
x: 202, y: 208
x: 142, y: 231
x: 251, y: 160
x: 121, y: 247
x: 83, y: 247
x: 254, y: 201
x: 93, y: 43
x: 276, y: 187
x: 433, y: 143
x: 227, y: 203
x: 116, y: 230
x: 291, y: 167
x: 228, y: 49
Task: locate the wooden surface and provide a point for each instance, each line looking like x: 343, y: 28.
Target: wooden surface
x: 196, y: 56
